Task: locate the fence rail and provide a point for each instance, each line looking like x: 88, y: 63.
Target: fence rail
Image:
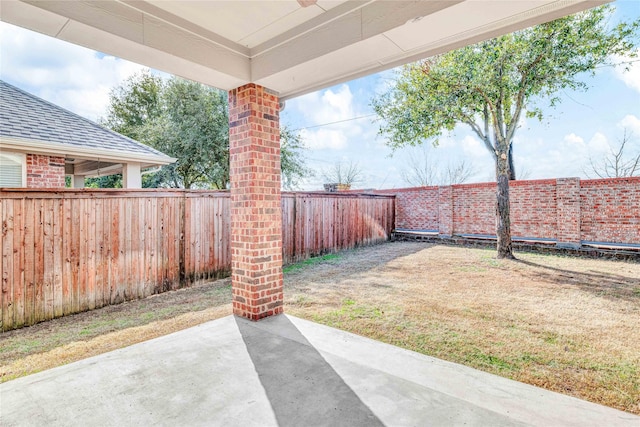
x: 67, y: 251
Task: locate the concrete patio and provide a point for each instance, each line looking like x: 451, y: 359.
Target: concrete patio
x: 282, y: 371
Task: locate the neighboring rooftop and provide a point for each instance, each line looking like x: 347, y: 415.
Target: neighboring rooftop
x: 31, y: 124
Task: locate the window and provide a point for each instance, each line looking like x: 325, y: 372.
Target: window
x: 13, y: 170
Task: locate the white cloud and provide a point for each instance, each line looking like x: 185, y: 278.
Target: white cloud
x: 629, y: 73
x: 324, y: 139
x: 67, y: 75
x: 631, y: 123
x: 448, y: 140
x: 574, y: 141
x: 329, y: 116
x: 598, y: 143
x: 473, y: 147
x: 319, y: 108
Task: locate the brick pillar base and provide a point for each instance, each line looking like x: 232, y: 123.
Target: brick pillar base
x: 568, y: 212
x: 256, y: 212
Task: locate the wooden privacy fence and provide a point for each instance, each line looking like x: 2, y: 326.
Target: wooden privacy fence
x: 67, y: 251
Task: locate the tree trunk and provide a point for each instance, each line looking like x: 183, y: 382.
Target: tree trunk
x: 512, y: 169
x: 503, y: 215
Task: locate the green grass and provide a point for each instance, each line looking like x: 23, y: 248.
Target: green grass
x: 311, y: 261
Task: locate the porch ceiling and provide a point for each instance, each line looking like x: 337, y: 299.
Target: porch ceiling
x: 278, y: 43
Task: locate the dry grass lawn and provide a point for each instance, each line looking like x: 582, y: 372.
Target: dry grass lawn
x: 566, y: 324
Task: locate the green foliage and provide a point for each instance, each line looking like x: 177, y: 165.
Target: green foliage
x: 194, y: 128
x: 292, y: 161
x: 311, y: 261
x: 183, y: 119
x: 488, y: 86
x: 188, y: 121
x: 133, y: 104
x: 107, y: 181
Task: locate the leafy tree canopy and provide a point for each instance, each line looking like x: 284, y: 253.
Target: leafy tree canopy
x: 193, y: 127
x: 188, y: 121
x: 133, y: 103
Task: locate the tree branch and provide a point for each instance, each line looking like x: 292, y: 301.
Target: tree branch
x: 491, y: 109
x: 499, y: 106
x: 483, y: 137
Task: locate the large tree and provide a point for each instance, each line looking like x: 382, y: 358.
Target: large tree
x: 193, y: 127
x: 133, y: 103
x: 491, y: 85
x: 188, y: 121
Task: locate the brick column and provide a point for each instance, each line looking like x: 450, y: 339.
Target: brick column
x: 256, y: 212
x: 445, y: 211
x: 568, y: 212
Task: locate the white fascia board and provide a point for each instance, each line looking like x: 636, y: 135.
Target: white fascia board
x: 89, y: 153
x: 346, y: 64
x: 117, y: 29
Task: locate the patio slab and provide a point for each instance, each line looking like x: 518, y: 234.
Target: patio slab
x: 282, y: 371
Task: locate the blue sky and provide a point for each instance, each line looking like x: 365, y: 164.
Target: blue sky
x: 585, y: 125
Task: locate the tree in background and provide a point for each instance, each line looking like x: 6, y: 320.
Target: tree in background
x: 188, y: 121
x: 617, y: 163
x: 106, y: 181
x: 292, y: 161
x: 491, y: 85
x: 133, y: 104
x: 192, y: 126
x: 343, y: 173
x: 424, y: 169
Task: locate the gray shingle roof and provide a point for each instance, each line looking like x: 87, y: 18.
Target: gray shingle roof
x: 26, y: 116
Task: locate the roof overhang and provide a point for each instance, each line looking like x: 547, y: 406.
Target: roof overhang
x: 84, y: 160
x: 280, y: 44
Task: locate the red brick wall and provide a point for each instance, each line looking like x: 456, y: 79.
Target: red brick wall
x: 256, y: 211
x: 610, y: 210
x: 533, y: 208
x: 414, y: 208
x: 473, y: 209
x: 45, y: 171
x: 566, y: 209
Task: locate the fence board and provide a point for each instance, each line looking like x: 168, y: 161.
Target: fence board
x: 73, y: 250
x: 18, y: 264
x: 29, y: 261
x: 7, y: 266
x: 57, y: 231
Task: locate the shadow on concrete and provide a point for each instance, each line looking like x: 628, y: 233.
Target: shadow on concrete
x: 303, y: 389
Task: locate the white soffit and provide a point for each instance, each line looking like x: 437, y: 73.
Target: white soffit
x: 278, y: 43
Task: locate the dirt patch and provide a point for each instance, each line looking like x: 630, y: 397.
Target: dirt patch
x: 566, y: 324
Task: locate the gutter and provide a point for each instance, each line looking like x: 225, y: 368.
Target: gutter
x: 86, y: 153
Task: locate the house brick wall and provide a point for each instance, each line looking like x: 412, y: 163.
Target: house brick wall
x: 256, y: 211
x: 45, y: 171
x: 567, y: 210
